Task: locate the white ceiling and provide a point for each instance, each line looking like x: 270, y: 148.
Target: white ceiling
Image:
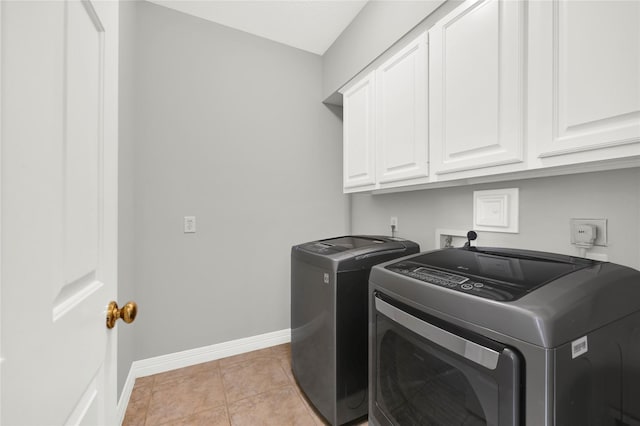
x: 311, y: 25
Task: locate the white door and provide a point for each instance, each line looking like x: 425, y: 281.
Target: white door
x: 401, y: 115
x: 58, y: 210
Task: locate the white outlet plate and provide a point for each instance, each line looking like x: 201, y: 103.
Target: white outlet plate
x: 601, y: 227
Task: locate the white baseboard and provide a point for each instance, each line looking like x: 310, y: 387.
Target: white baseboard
x: 164, y: 363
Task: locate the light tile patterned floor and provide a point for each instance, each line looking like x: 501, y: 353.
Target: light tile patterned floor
x: 255, y: 388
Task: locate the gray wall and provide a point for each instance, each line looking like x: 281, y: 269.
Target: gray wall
x: 375, y: 29
x: 229, y: 128
x: 546, y: 205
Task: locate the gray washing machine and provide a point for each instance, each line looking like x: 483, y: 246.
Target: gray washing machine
x: 329, y: 319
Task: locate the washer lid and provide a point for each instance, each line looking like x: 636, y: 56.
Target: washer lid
x: 357, y: 243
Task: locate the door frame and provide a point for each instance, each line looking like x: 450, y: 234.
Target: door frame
x: 1, y: 149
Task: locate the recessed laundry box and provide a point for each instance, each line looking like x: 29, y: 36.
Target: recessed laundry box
x: 329, y: 319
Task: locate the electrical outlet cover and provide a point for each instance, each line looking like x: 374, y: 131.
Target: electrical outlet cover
x: 601, y: 230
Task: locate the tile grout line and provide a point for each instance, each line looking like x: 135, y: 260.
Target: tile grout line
x: 307, y: 407
x: 293, y: 383
x: 298, y: 391
x: 224, y: 392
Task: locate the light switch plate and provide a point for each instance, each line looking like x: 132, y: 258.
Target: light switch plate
x: 189, y: 224
x: 496, y: 210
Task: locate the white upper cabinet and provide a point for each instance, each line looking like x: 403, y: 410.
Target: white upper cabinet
x: 358, y: 134
x: 498, y: 89
x: 476, y: 84
x: 401, y: 114
x: 584, y: 80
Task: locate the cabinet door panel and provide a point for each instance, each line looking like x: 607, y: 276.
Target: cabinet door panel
x: 401, y: 135
x: 471, y: 71
x: 359, y: 148
x: 593, y: 52
x: 476, y: 86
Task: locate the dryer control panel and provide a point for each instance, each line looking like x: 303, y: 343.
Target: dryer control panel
x: 449, y: 280
x: 492, y: 273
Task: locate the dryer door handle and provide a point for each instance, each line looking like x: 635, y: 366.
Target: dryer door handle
x: 470, y: 350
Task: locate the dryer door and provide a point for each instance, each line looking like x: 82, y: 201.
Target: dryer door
x: 427, y: 372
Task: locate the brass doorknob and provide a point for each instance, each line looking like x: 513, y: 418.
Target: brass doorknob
x: 127, y: 313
